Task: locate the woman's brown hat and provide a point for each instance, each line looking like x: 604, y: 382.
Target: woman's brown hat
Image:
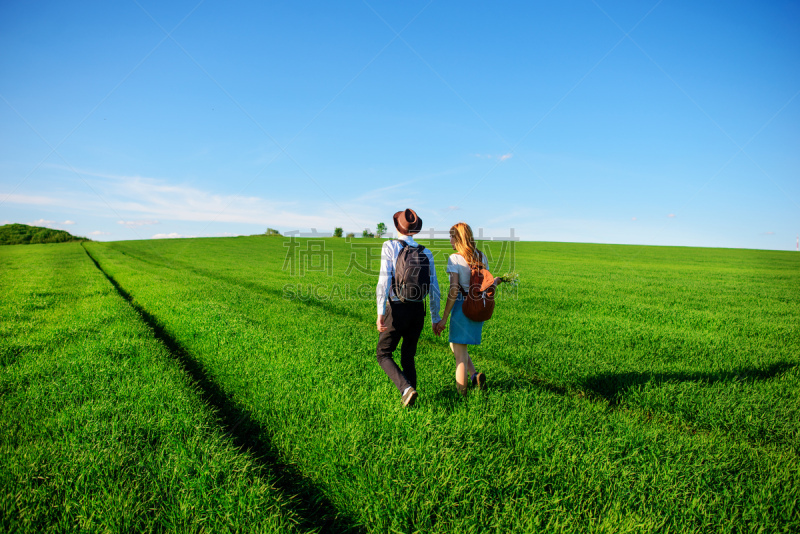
x: 407, y: 222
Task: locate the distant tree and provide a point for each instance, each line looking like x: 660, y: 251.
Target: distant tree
x: 337, y: 232
x: 367, y: 233
x: 272, y: 231
x: 23, y: 234
x: 351, y: 235
x: 380, y: 229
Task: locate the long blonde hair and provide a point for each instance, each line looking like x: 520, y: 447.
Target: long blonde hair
x: 465, y: 244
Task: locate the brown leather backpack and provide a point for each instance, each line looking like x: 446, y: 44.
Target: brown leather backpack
x: 478, y: 302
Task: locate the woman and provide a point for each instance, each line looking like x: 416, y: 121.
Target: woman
x: 463, y: 331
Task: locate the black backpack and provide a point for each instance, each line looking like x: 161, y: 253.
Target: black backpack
x: 412, y: 274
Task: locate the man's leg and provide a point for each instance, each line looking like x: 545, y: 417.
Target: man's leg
x: 387, y: 343
x: 408, y: 350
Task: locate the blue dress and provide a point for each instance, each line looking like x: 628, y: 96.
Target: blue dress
x: 463, y: 330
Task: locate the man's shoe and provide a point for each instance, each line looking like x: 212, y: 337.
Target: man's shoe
x: 409, y: 397
x: 480, y: 379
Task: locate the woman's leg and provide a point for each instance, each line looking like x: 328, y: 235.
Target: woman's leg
x: 470, y: 367
x: 462, y: 357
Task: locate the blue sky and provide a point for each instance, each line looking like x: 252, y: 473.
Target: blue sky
x: 648, y: 122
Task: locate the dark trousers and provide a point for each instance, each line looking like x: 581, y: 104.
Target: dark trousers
x: 404, y: 320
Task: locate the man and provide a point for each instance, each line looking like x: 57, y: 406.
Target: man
x: 403, y: 319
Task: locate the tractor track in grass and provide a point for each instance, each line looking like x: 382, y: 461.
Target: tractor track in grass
x: 310, y: 504
x: 603, y: 389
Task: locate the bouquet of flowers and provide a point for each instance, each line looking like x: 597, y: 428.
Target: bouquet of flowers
x: 512, y: 279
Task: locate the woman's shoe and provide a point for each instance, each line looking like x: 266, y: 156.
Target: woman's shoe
x: 480, y: 380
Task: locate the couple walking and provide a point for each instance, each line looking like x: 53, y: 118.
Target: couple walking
x: 403, y: 318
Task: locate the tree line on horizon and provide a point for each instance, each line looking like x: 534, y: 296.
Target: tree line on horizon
x: 380, y: 230
x: 23, y: 234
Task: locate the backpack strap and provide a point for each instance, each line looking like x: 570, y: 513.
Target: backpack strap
x: 403, y: 244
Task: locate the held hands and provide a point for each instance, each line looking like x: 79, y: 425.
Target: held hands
x: 439, y: 327
x: 380, y: 324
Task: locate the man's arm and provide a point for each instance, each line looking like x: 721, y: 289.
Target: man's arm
x: 384, y: 279
x: 434, y: 291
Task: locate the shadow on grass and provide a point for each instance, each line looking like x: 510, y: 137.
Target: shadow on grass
x: 315, y: 512
x: 613, y: 386
x: 509, y: 383
x: 448, y: 399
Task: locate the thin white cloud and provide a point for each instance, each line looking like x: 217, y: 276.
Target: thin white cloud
x: 388, y: 193
x: 31, y: 200
x: 98, y: 232
x: 50, y: 224
x: 164, y: 201
x: 671, y: 215
x: 380, y: 203
x: 42, y: 222
x: 134, y: 199
x: 172, y: 235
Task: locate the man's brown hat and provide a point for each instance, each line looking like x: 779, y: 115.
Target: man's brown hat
x: 407, y: 222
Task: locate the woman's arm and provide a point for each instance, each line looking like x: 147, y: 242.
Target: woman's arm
x: 496, y: 280
x: 452, y: 295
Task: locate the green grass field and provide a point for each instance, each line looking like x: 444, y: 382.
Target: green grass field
x: 213, y: 385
